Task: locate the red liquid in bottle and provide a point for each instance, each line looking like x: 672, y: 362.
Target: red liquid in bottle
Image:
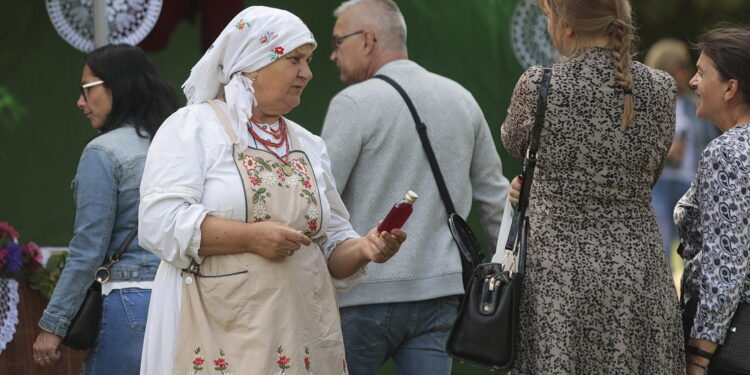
x: 399, y: 213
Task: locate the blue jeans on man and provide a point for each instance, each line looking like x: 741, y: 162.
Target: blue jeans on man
x: 414, y: 334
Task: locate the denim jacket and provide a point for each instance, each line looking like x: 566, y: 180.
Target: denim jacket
x: 106, y: 193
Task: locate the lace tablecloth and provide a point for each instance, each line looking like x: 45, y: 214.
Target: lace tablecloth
x: 8, y: 310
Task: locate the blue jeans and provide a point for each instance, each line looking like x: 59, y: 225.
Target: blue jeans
x: 412, y: 333
x: 666, y: 194
x: 117, y: 350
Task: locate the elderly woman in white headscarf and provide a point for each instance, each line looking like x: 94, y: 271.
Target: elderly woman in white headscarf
x: 239, y: 203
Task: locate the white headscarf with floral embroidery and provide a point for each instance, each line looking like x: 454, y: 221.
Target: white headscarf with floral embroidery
x: 256, y: 37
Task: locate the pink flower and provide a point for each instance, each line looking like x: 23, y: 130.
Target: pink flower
x: 3, y: 258
x: 33, y: 251
x: 198, y: 361
x: 254, y: 180
x: 279, y: 50
x: 283, y: 360
x: 307, y: 184
x: 7, y: 228
x: 307, y: 363
x: 312, y: 225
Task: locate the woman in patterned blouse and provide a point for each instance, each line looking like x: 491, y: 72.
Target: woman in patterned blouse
x: 713, y: 217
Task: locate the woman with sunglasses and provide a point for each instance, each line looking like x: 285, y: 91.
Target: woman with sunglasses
x: 125, y: 100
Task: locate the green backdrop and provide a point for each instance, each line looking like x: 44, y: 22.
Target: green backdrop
x: 42, y: 133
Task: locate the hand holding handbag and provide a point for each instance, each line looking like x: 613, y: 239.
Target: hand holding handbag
x: 469, y: 249
x: 486, y: 329
x: 734, y: 356
x: 85, y: 324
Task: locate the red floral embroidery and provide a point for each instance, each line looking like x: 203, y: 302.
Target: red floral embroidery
x: 279, y: 50
x: 220, y: 363
x: 254, y: 180
x: 198, y: 361
x: 269, y: 36
x: 299, y: 165
x: 241, y: 25
x: 283, y: 361
x: 306, y: 361
x: 307, y: 184
x: 312, y: 225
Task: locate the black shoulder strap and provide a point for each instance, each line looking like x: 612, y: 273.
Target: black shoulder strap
x: 422, y: 130
x: 102, y: 273
x: 530, y: 161
x: 124, y: 244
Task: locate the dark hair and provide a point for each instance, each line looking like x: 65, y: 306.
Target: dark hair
x: 140, y: 96
x: 729, y: 48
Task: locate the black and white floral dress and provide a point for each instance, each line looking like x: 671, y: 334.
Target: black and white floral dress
x: 598, y: 297
x: 713, y: 219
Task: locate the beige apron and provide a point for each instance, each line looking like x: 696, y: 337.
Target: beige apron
x: 243, y: 314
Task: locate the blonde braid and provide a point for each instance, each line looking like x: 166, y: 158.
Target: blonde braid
x: 621, y: 33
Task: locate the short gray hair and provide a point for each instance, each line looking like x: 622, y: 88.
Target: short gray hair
x: 383, y: 16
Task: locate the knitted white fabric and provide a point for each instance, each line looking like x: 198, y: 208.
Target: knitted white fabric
x: 8, y: 310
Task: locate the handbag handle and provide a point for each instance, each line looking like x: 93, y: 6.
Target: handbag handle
x: 422, y: 130
x: 102, y: 273
x: 514, y: 228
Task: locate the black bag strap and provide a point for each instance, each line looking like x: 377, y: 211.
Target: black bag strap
x: 519, y: 217
x: 422, y: 130
x: 102, y: 273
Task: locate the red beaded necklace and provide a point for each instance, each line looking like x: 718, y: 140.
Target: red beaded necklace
x: 282, y: 136
x: 269, y: 130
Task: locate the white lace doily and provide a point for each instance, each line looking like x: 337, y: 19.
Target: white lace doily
x: 532, y: 44
x: 129, y: 21
x: 8, y: 310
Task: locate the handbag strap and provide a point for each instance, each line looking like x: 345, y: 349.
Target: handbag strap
x: 102, y: 273
x: 519, y: 217
x: 422, y: 130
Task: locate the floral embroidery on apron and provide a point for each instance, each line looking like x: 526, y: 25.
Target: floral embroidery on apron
x: 266, y: 172
x: 249, y: 315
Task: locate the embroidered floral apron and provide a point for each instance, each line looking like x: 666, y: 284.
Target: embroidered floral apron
x: 243, y: 314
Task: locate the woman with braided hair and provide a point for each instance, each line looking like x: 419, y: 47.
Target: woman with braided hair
x: 598, y: 297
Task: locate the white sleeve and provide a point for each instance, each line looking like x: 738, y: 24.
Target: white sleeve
x: 339, y: 229
x: 170, y: 213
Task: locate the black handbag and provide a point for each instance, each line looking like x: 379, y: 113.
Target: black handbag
x: 84, y: 326
x: 732, y: 358
x: 468, y: 245
x: 486, y: 329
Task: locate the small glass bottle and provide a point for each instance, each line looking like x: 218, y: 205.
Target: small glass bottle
x: 399, y: 213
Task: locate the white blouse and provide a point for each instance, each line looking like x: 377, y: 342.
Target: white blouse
x: 190, y: 173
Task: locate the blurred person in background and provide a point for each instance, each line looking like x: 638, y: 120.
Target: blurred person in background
x: 691, y: 136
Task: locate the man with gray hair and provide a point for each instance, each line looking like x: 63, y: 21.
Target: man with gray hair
x: 404, y: 309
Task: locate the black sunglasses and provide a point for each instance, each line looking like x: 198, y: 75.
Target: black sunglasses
x: 336, y: 41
